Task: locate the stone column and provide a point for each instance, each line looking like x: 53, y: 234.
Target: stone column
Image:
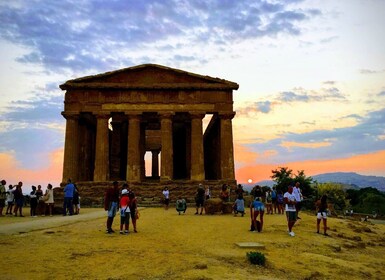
x: 197, y: 155
x: 133, y: 149
x: 167, y: 164
x: 71, y: 147
x: 226, y: 144
x: 155, y: 164
x: 102, y: 167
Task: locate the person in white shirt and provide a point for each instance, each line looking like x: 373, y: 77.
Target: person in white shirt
x: 298, y: 197
x: 166, y: 194
x: 291, y: 212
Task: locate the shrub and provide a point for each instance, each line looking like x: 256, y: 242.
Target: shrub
x: 256, y: 258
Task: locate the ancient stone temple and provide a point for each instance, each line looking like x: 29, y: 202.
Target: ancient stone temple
x: 116, y: 121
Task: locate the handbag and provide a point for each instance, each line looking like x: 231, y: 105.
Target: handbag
x: 137, y: 215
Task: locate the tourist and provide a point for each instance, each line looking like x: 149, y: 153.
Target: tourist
x: 224, y: 194
x: 322, y: 207
x: 48, y: 200
x: 124, y: 212
x: 298, y: 197
x: 274, y: 200
x: 10, y: 200
x: 40, y: 201
x: 166, y: 198
x: 257, y: 208
x: 68, y: 198
x: 181, y: 205
x: 33, y: 201
x: 257, y: 192
x: 200, y: 199
x: 291, y: 212
x: 19, y: 199
x: 269, y: 202
x: 3, y: 196
x: 207, y: 192
x: 133, y: 209
x: 280, y: 202
x: 111, y: 200
x: 239, y: 205
x: 76, y: 200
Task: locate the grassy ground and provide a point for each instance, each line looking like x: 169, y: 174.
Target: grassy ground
x: 169, y: 246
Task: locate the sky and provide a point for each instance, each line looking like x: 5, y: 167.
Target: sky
x: 311, y: 75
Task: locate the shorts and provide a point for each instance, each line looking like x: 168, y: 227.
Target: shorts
x: 167, y: 201
x: 291, y: 216
x: 112, y: 210
x: 321, y: 215
x: 2, y: 203
x: 259, y: 206
x: 125, y: 220
x: 133, y: 215
x: 20, y: 202
x: 200, y: 201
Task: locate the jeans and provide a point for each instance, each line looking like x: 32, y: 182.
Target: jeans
x: 68, y: 205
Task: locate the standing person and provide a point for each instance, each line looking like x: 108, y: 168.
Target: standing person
x: 19, y: 199
x: 10, y: 200
x: 298, y: 197
x: 3, y: 195
x: 48, y: 200
x: 257, y: 208
x: 280, y: 202
x: 269, y: 202
x: 257, y: 192
x: 133, y: 209
x: 40, y: 202
x: 322, y: 207
x: 207, y: 193
x: 274, y: 200
x: 33, y: 201
x: 68, y: 197
x: 111, y: 201
x: 239, y: 205
x: 200, y: 199
x: 124, y: 212
x: 166, y: 197
x: 291, y: 212
x: 76, y: 200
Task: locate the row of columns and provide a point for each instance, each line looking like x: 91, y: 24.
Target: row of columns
x: 134, y: 162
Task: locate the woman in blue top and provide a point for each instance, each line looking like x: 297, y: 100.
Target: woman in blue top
x: 257, y: 208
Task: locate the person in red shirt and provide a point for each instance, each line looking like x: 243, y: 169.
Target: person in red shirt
x: 124, y: 212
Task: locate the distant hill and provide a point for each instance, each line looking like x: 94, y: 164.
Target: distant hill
x: 347, y: 178
x: 351, y: 178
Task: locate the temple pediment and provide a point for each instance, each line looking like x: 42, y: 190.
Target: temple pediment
x: 150, y: 76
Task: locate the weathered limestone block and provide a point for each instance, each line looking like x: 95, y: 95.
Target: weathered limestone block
x: 213, y: 205
x: 227, y: 207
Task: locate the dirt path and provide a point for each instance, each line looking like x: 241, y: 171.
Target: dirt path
x: 47, y: 222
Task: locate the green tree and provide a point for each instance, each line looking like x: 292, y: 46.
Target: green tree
x: 282, y: 176
x: 335, y: 193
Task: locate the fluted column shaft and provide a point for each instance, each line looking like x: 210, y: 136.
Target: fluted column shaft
x: 71, y: 147
x: 155, y: 164
x: 102, y: 167
x: 227, y: 153
x: 167, y: 165
x: 133, y: 154
x: 197, y: 155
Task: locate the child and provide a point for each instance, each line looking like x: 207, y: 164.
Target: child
x: 124, y: 212
x: 239, y: 205
x: 10, y: 200
x: 181, y: 205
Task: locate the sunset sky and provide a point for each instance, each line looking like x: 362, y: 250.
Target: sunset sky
x: 311, y: 75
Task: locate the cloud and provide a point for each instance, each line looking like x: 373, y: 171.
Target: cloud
x: 365, y: 137
x: 84, y: 33
x: 369, y: 71
x: 382, y: 93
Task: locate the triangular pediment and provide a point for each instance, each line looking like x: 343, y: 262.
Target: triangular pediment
x: 149, y: 76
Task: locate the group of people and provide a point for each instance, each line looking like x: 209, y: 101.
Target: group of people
x: 292, y: 200
x: 14, y: 198
x: 122, y: 200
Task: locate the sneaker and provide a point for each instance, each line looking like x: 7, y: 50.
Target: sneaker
x: 126, y: 232
x: 121, y: 232
x: 326, y: 234
x: 291, y: 233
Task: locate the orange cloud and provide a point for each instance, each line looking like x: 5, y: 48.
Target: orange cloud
x: 11, y: 171
x: 367, y: 164
x: 289, y: 144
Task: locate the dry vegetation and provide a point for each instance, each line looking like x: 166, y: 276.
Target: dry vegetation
x: 169, y: 246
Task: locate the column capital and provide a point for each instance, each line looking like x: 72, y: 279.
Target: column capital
x: 70, y: 115
x: 227, y: 115
x: 197, y: 115
x: 102, y: 115
x: 166, y: 114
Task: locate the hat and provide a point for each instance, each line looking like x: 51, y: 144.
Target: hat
x: 124, y: 191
